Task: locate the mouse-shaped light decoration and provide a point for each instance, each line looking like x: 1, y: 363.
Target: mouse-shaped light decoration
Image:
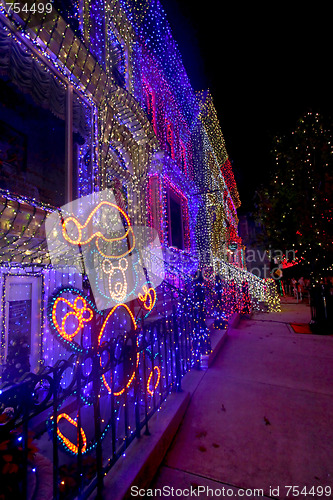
x: 94, y: 235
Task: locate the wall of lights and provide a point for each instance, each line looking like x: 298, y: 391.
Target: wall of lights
x: 150, y: 133
x: 153, y: 141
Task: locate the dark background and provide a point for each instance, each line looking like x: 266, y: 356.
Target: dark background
x: 264, y: 68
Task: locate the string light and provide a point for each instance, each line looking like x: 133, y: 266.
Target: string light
x: 77, y: 312
x: 73, y: 448
x: 98, y: 235
x: 149, y: 297
x: 125, y: 306
x: 150, y: 378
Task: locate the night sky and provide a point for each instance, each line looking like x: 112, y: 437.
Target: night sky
x: 264, y: 68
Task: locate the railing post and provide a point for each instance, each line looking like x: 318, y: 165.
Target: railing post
x: 177, y: 354
x: 25, y: 431
x: 97, y: 413
x: 137, y: 401
x: 56, y: 384
x: 79, y: 427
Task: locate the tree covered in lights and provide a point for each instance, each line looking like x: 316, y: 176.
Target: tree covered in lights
x: 296, y: 204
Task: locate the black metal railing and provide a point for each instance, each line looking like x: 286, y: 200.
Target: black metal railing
x: 63, y: 428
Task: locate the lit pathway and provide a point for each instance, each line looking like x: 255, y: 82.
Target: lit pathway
x: 262, y: 415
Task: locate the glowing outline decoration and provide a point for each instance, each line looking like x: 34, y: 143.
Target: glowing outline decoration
x: 66, y: 441
x: 148, y: 295
x: 98, y: 235
x: 78, y: 308
x: 77, y: 313
x: 151, y: 391
x: 106, y: 385
x: 117, y: 264
x: 127, y: 386
x: 128, y: 293
x: 68, y: 339
x: 120, y: 287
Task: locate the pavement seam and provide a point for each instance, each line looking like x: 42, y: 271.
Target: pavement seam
x: 209, y: 478
x: 278, y: 385
x: 272, y: 321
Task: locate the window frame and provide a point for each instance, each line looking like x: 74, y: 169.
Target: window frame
x: 35, y: 356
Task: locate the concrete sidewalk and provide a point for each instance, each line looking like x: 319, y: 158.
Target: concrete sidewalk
x: 260, y: 416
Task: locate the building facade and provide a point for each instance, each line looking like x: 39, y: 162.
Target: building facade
x: 95, y: 96
x: 118, y: 213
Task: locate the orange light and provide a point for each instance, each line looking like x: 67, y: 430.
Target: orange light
x: 150, y: 296
x: 119, y: 393
x: 67, y: 442
x: 98, y: 235
x: 151, y: 391
x: 137, y: 356
x: 110, y: 314
x: 77, y: 312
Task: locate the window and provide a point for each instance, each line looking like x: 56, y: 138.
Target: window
x: 176, y: 231
x: 22, y: 316
x: 169, y: 141
x: 19, y: 313
x: 32, y: 148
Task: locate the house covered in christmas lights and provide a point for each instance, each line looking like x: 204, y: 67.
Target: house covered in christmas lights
x: 98, y: 98
x: 109, y: 160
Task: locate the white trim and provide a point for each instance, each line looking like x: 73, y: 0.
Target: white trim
x: 36, y: 288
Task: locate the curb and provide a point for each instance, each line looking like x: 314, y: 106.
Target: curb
x: 218, y: 339
x: 234, y: 320
x: 142, y: 458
